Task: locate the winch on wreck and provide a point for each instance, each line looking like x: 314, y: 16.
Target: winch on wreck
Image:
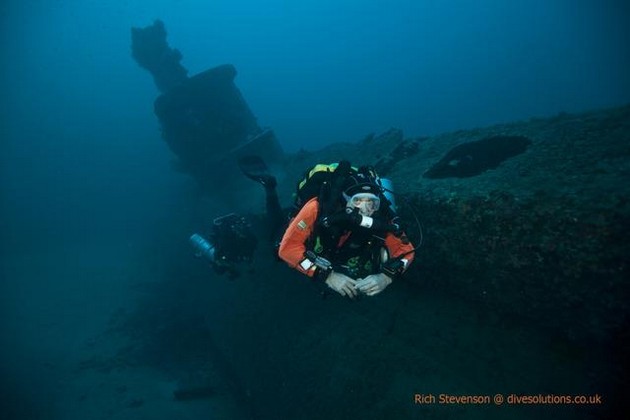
x: 204, y: 119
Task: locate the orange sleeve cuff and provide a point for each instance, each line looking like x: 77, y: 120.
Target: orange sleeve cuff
x: 396, y: 247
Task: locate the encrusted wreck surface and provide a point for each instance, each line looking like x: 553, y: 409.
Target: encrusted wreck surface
x: 520, y: 287
x: 542, y: 236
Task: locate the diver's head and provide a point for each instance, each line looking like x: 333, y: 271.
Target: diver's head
x: 363, y: 194
x: 366, y: 203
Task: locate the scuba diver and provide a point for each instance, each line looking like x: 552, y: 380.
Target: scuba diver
x: 343, y: 229
x: 348, y: 235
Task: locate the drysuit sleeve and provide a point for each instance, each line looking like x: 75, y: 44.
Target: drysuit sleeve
x: 293, y: 244
x: 396, y: 247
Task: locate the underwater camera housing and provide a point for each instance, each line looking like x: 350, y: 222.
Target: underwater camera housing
x: 231, y: 241
x: 233, y: 238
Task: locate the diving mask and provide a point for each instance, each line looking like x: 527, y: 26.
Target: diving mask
x: 366, y: 203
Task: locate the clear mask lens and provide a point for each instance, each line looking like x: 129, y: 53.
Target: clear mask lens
x: 367, y: 203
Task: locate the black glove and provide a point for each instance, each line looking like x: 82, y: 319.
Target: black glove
x: 342, y: 217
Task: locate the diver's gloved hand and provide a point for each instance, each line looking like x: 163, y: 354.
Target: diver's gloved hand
x: 373, y: 284
x: 341, y: 284
x: 341, y: 217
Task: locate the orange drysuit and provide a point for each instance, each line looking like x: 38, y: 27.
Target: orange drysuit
x: 293, y: 244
